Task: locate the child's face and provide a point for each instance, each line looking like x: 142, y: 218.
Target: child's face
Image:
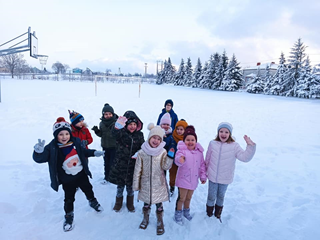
x: 190, y: 141
x: 224, y: 134
x: 155, y: 141
x: 79, y: 124
x: 165, y: 126
x: 132, y: 127
x: 63, y: 137
x: 168, y: 107
x: 107, y: 115
x: 180, y: 130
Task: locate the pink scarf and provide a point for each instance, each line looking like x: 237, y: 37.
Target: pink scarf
x: 152, y: 151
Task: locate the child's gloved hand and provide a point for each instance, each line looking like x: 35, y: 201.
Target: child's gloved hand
x: 135, y: 155
x: 98, y: 153
x: 84, y: 143
x: 39, y: 147
x: 182, y: 159
x: 171, y: 153
x: 121, y: 122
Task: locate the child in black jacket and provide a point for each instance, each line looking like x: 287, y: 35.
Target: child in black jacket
x: 68, y: 165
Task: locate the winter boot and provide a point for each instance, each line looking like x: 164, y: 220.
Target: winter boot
x: 118, y: 205
x: 130, y: 203
x: 218, y: 211
x: 171, y: 191
x: 145, y: 221
x: 178, y: 217
x: 95, y: 205
x: 68, y: 222
x: 186, y: 214
x: 210, y: 211
x: 160, y: 225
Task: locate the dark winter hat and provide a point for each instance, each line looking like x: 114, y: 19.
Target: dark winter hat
x: 169, y: 101
x: 130, y: 120
x: 107, y: 108
x: 190, y: 131
x: 225, y: 125
x: 59, y: 125
x: 75, y: 117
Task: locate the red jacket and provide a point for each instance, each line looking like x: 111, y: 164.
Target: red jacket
x: 83, y: 134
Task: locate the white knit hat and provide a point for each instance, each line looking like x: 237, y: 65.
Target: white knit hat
x: 155, y: 131
x: 226, y: 125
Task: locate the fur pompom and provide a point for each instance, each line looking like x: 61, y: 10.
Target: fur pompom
x: 150, y: 126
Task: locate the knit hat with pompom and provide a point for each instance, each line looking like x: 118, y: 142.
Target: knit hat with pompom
x: 59, y: 125
x: 155, y: 131
x: 190, y: 131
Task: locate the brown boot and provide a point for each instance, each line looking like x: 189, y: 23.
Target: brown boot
x: 218, y: 211
x: 145, y: 221
x: 160, y: 225
x: 118, y: 205
x: 130, y: 203
x: 210, y: 211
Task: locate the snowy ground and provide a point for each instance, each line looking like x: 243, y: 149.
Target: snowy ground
x: 275, y: 196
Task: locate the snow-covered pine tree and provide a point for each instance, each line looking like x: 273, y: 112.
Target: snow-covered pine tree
x: 307, y: 82
x: 216, y: 61
x: 268, y: 79
x: 203, y: 74
x: 222, y: 68
x: 188, y: 81
x: 161, y: 78
x: 233, y: 79
x: 296, y: 60
x: 257, y: 84
x: 179, y: 76
x: 170, y: 72
x: 196, y: 74
x: 206, y: 81
x: 278, y: 78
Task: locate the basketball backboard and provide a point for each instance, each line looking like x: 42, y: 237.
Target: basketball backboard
x: 33, y: 45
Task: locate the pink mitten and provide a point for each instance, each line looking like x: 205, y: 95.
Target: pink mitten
x: 121, y: 122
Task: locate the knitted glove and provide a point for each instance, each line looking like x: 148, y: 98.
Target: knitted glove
x: 171, y: 153
x: 84, y: 143
x: 98, y: 153
x: 39, y: 147
x: 121, y: 122
x: 95, y: 129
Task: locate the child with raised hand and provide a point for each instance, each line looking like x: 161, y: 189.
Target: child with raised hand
x: 220, y: 164
x: 80, y: 128
x: 68, y: 165
x: 149, y: 178
x: 108, y: 141
x: 177, y: 136
x: 127, y: 131
x: 189, y: 159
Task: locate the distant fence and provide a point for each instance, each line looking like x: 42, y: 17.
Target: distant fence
x: 80, y: 77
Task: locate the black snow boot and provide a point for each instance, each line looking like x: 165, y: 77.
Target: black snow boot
x: 68, y: 222
x: 210, y: 211
x: 95, y: 205
x: 130, y: 205
x: 218, y: 211
x: 118, y: 205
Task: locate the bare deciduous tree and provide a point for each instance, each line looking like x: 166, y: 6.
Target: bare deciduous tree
x: 58, y: 67
x: 14, y: 63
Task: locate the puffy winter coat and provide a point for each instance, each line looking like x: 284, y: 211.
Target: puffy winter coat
x: 127, y: 145
x: 221, y: 160
x: 83, y: 134
x: 192, y: 169
x: 105, y: 132
x: 149, y: 177
x: 173, y: 115
x: 50, y: 155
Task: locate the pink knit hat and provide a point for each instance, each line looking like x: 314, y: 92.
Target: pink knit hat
x: 166, y: 119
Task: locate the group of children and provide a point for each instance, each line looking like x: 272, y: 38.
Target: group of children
x: 134, y: 164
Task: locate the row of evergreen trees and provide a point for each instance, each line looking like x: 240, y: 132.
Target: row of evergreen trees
x: 295, y: 79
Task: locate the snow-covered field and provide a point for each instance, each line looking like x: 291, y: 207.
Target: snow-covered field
x: 275, y: 196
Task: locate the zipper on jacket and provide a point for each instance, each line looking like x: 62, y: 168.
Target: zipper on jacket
x: 129, y: 158
x: 218, y: 163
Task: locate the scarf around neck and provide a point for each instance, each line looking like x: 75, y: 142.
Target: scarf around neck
x: 152, y: 151
x: 177, y: 137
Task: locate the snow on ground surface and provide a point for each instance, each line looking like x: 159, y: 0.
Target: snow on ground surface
x: 275, y: 196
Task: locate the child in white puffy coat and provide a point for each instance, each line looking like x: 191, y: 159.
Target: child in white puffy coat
x: 220, y: 164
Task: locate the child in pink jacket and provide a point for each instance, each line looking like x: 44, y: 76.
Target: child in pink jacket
x: 189, y: 159
x: 220, y: 164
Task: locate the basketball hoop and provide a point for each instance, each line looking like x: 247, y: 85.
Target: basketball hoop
x: 43, y: 60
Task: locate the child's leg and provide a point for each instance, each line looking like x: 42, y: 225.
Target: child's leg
x: 222, y: 188
x: 188, y: 199
x: 181, y: 198
x: 69, y: 193
x: 109, y: 155
x: 159, y: 207
x: 86, y: 187
x: 130, y: 192
x: 120, y: 190
x: 173, y: 173
x: 212, y: 193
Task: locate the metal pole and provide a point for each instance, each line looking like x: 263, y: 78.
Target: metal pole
x: 95, y: 83
x: 0, y: 90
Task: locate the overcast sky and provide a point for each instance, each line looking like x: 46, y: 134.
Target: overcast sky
x: 102, y: 34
